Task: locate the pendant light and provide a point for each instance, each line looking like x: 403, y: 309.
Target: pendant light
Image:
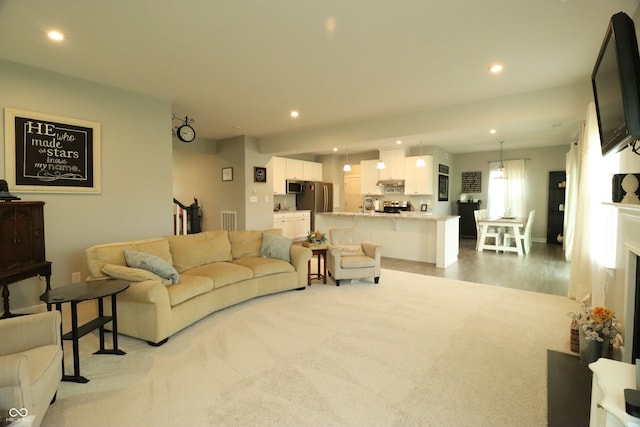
x: 420, y: 162
x: 347, y: 166
x: 500, y: 171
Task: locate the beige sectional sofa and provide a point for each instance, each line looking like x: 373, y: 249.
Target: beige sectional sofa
x: 215, y: 269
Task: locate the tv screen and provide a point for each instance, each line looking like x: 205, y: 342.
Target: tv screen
x: 615, y: 85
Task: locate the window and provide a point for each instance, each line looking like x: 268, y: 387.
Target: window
x: 507, y: 196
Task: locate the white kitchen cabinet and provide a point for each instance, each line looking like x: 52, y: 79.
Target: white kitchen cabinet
x: 418, y: 180
x: 295, y: 169
x: 394, y: 164
x: 302, y: 224
x: 369, y: 177
x: 312, y: 171
x: 285, y: 221
x: 278, y: 168
x: 294, y: 224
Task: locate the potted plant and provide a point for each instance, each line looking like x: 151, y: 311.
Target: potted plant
x: 598, y: 330
x: 316, y: 238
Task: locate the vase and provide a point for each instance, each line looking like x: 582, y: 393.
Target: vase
x: 592, y: 350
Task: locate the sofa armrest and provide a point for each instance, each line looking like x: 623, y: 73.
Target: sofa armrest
x: 149, y: 291
x: 15, y: 384
x: 300, y: 257
x: 372, y: 250
x: 22, y: 333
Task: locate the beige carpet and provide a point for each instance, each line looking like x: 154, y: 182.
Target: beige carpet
x: 412, y: 350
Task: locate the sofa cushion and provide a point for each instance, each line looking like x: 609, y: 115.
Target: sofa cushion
x: 188, y: 287
x: 245, y: 243
x: 192, y: 250
x: 113, y: 253
x: 275, y: 246
x: 132, y: 274
x: 152, y: 263
x: 265, y: 266
x: 222, y: 273
x: 357, y: 262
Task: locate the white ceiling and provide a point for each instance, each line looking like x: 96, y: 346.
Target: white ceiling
x: 239, y: 66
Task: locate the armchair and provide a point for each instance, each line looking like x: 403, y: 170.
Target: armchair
x: 30, y: 362
x: 348, y: 258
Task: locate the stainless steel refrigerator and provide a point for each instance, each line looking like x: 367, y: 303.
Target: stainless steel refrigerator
x: 316, y: 197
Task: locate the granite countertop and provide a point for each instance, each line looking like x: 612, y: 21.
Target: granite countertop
x: 404, y: 215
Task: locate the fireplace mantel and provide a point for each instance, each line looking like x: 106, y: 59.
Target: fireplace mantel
x: 627, y: 253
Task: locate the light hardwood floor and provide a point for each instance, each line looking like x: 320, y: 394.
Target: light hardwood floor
x: 543, y: 270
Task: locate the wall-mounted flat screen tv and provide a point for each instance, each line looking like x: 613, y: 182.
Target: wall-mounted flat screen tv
x: 615, y: 85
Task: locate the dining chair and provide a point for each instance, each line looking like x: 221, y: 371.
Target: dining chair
x: 492, y: 232
x: 525, y: 236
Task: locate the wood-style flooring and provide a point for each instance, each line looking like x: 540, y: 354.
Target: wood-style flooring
x: 543, y: 270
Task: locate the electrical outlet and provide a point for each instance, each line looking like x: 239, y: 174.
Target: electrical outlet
x: 75, y: 277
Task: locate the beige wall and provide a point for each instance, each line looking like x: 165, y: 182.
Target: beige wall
x: 136, y: 169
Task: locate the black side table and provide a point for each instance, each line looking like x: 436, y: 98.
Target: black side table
x: 83, y: 292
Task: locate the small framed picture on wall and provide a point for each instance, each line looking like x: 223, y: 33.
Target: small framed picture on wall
x: 227, y: 174
x: 259, y: 174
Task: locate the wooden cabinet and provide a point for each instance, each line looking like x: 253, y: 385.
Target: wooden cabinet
x: 278, y: 167
x: 295, y: 169
x: 283, y: 169
x: 418, y: 180
x: 22, y: 249
x: 394, y: 164
x: 467, y: 219
x: 555, y: 208
x: 369, y: 177
x: 302, y: 224
x: 294, y: 224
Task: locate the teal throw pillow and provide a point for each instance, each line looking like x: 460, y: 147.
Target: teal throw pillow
x: 151, y: 263
x: 275, y: 246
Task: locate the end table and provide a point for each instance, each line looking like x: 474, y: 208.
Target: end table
x: 75, y: 294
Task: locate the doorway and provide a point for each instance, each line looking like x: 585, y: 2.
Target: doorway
x: 352, y: 195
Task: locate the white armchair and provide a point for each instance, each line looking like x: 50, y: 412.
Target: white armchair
x: 30, y: 362
x: 348, y: 258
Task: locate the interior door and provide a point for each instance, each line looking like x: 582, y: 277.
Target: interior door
x: 352, y: 196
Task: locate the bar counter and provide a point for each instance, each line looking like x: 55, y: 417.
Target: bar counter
x: 414, y: 236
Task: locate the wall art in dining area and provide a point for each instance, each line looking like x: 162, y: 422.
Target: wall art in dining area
x: 472, y: 182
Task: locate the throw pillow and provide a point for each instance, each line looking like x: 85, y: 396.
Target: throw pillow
x: 151, y: 263
x: 132, y: 274
x: 275, y: 246
x: 350, y: 250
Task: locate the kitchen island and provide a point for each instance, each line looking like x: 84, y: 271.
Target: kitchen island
x: 414, y: 236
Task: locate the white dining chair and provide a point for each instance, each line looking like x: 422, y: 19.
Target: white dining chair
x: 492, y: 232
x: 525, y: 236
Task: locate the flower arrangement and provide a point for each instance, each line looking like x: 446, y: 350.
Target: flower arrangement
x: 597, y: 323
x: 316, y: 237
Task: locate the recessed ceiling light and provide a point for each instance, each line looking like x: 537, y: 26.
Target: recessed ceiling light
x: 398, y: 142
x: 492, y: 131
x: 335, y: 148
x: 294, y: 114
x: 496, y: 68
x: 55, y: 35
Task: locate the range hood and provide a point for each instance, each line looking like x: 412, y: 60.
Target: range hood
x: 391, y: 182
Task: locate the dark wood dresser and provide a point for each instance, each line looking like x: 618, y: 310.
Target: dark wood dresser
x: 22, y: 250
x: 467, y: 219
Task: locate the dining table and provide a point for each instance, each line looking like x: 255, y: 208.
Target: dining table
x: 516, y: 225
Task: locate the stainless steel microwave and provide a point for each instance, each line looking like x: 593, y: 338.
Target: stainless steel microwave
x: 294, y: 186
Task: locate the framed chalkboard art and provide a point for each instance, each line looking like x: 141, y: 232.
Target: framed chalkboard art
x: 46, y: 153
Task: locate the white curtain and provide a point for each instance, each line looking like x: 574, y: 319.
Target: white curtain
x: 507, y: 196
x: 589, y: 245
x: 571, y: 196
